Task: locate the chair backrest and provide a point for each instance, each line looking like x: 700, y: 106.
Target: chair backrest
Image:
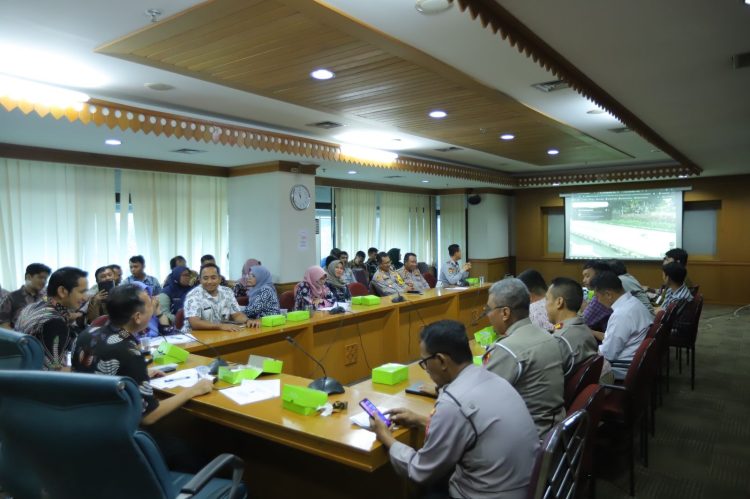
x: 286, y: 300
x: 640, y: 376
x: 591, y: 399
x: 656, y: 324
x: 694, y: 289
x: 357, y: 289
x: 558, y: 464
x: 586, y: 373
x: 686, y: 317
x: 361, y: 276
x: 100, y: 321
x: 430, y: 279
x: 20, y: 351
x: 179, y: 318
x: 99, y: 414
x: 243, y: 301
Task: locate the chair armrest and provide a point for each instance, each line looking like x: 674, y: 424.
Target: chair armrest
x: 209, y: 471
x: 614, y: 387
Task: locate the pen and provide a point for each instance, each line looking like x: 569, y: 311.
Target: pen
x: 177, y: 379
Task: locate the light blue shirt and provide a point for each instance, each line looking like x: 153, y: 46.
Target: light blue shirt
x: 626, y: 330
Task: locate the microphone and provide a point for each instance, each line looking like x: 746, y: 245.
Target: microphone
x: 213, y: 367
x: 324, y: 384
x: 398, y: 298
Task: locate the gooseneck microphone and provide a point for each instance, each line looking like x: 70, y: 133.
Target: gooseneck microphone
x: 324, y: 384
x: 213, y: 367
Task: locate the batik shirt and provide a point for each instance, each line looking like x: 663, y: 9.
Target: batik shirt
x: 303, y: 297
x: 199, y: 303
x: 49, y: 324
x: 265, y: 302
x: 113, y: 351
x: 12, y: 303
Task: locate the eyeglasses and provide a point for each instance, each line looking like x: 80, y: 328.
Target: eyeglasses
x: 486, y: 310
x: 423, y: 362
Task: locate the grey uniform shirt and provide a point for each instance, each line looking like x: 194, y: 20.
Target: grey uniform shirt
x: 632, y: 286
x: 489, y: 441
x: 576, y: 342
x: 452, y: 275
x: 529, y: 358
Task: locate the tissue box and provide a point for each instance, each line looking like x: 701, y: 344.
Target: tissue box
x: 167, y: 353
x: 390, y: 374
x: 478, y: 360
x: 472, y: 281
x: 302, y: 400
x: 272, y: 320
x: 366, y: 300
x: 485, y: 337
x: 265, y: 364
x: 235, y: 376
x: 298, y: 315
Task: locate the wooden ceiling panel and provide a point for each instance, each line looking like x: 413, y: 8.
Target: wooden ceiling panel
x: 269, y: 47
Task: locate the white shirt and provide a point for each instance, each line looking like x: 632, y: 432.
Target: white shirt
x: 626, y: 330
x: 199, y: 303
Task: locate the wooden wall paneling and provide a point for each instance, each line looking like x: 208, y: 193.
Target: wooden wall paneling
x: 492, y: 269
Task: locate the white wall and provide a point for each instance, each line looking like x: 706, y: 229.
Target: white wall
x: 264, y: 225
x: 489, y: 227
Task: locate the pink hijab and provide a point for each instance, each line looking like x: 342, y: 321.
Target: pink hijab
x: 312, y: 278
x: 246, y: 270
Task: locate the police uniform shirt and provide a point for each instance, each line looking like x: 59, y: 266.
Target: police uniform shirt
x: 576, y: 342
x: 452, y: 275
x: 414, y: 278
x: 529, y: 358
x: 388, y: 283
x: 479, y: 429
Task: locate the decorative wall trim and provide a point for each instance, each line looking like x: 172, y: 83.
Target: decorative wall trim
x: 604, y: 176
x: 272, y: 166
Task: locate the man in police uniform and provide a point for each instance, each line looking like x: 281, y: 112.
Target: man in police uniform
x: 386, y: 281
x: 527, y: 356
x: 576, y: 341
x: 479, y: 432
x: 454, y: 274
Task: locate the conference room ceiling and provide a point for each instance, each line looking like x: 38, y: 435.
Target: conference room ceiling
x: 393, y: 65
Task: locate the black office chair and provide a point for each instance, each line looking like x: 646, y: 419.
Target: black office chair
x: 79, y: 433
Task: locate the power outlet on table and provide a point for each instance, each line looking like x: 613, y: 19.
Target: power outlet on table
x: 350, y: 354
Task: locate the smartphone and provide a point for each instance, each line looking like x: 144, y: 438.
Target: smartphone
x: 373, y: 411
x: 106, y: 285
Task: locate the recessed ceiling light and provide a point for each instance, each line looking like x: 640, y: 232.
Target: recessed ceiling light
x: 596, y: 111
x: 322, y: 74
x: 425, y: 181
x: 553, y: 152
x: 685, y: 176
x: 159, y: 87
x: 747, y: 2
x: 352, y: 172
x: 432, y: 6
x: 507, y: 136
x: 555, y: 184
x: 438, y: 114
x: 113, y: 142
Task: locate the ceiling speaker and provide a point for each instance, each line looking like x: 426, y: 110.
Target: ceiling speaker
x: 475, y: 199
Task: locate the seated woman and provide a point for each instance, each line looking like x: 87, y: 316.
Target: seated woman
x: 172, y: 296
x: 261, y: 294
x: 313, y: 290
x: 335, y: 282
x: 240, y: 289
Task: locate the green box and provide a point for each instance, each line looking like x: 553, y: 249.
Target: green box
x: 272, y: 320
x: 168, y: 353
x: 298, y: 315
x: 236, y: 375
x: 356, y: 300
x: 302, y: 400
x: 472, y: 281
x: 390, y: 374
x: 265, y: 364
x: 370, y: 300
x: 485, y: 337
x: 478, y: 360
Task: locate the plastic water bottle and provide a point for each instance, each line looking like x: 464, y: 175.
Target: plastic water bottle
x: 439, y: 284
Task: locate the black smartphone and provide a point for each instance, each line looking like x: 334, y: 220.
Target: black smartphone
x: 106, y: 286
x: 373, y: 411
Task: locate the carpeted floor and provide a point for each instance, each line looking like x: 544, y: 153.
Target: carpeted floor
x: 702, y: 444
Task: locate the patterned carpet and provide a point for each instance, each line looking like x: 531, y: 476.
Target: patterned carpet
x: 702, y: 444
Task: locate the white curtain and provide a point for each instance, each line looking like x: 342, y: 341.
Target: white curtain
x: 452, y: 224
x: 355, y: 219
x: 421, y: 228
x: 56, y: 214
x: 176, y: 214
x: 394, y: 221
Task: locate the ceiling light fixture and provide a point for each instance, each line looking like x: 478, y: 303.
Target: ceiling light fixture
x: 48, y: 67
x: 368, y: 154
x: 507, y: 136
x: 39, y: 93
x: 374, y: 139
x: 322, y: 74
x: 553, y: 152
x: 429, y: 7
x: 425, y: 181
x: 555, y: 184
x: 438, y: 114
x: 596, y: 111
x: 352, y: 172
x: 159, y: 87
x: 113, y: 142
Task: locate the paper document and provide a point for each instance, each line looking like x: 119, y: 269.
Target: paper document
x: 363, y: 419
x: 175, y: 339
x: 254, y: 391
x: 456, y: 288
x: 185, y: 378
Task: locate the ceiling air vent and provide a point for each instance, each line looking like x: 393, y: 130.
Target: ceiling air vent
x: 622, y: 129
x: 551, y: 86
x: 394, y: 176
x: 449, y: 149
x: 325, y: 124
x: 188, y: 151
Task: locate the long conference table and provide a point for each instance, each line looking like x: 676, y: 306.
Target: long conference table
x: 290, y: 455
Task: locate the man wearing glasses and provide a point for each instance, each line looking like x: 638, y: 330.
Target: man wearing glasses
x: 527, y: 356
x: 479, y: 433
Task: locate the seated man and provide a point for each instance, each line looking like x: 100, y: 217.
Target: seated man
x: 209, y: 304
x: 31, y: 292
x: 206, y: 259
x: 631, y: 284
x: 372, y: 262
x: 348, y: 276
x: 49, y: 321
x: 113, y: 350
x: 411, y: 275
x: 576, y: 341
x: 537, y: 294
x: 525, y: 355
x: 453, y: 273
x: 387, y: 281
x: 627, y: 326
x: 137, y: 273
x: 105, y: 281
x: 480, y: 432
x: 674, y: 276
x: 117, y: 271
x: 595, y: 314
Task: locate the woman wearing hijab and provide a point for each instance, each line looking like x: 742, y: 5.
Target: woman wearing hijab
x: 335, y: 282
x: 172, y: 296
x: 261, y: 293
x: 240, y: 289
x: 313, y: 290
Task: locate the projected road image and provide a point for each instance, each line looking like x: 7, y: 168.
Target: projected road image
x: 600, y: 239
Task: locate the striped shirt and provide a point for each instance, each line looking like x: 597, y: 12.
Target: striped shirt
x: 673, y: 296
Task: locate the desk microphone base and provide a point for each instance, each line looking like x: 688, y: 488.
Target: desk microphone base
x: 328, y: 385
